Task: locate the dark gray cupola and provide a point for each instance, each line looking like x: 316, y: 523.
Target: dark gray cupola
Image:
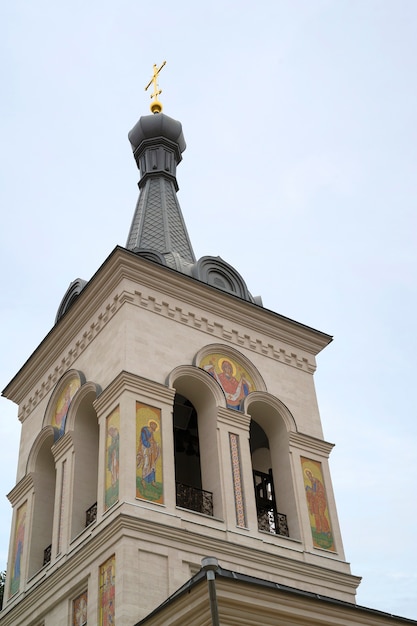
x: 158, y: 230
x: 158, y: 227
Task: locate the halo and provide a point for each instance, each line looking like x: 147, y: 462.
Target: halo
x: 153, y: 422
x: 222, y: 360
x: 307, y: 469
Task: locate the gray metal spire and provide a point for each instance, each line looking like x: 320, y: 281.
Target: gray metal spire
x: 158, y: 229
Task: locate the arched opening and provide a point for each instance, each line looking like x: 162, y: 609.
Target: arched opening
x: 189, y: 491
x: 269, y: 518
x: 86, y: 450
x: 197, y: 466
x: 44, y: 478
x: 271, y: 466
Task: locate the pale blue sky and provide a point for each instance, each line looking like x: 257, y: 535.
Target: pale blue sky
x: 300, y: 170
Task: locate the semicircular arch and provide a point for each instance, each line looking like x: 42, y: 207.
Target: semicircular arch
x: 231, y: 353
x: 41, y: 439
x: 61, y: 399
x: 87, y: 393
x: 263, y: 407
x: 196, y: 385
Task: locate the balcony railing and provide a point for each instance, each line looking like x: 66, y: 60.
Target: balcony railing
x: 91, y: 515
x: 194, y: 499
x: 271, y: 521
x: 47, y: 555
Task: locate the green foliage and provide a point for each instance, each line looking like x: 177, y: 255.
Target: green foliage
x: 2, y: 583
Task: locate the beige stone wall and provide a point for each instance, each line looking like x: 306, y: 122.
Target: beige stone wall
x: 134, y: 333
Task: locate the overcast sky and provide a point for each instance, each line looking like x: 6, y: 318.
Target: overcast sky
x: 300, y: 118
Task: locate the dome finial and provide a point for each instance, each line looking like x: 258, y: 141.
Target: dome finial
x: 156, y: 106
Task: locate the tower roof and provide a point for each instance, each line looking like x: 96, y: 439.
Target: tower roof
x: 158, y: 229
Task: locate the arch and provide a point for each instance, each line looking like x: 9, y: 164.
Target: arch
x: 187, y: 379
x: 216, y: 272
x: 46, y: 433
x: 61, y: 399
x: 188, y: 478
x: 198, y: 394
x: 235, y: 355
x: 41, y: 464
x: 82, y: 422
x: 271, y: 425
x: 88, y: 390
x: 271, y: 406
x: 70, y: 296
x: 151, y: 255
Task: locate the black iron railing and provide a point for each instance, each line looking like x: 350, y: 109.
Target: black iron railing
x: 91, y: 514
x: 269, y: 519
x: 194, y: 499
x: 47, y: 555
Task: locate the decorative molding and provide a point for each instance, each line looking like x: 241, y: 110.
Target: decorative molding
x: 75, y: 565
x: 233, y: 419
x: 234, y: 355
x: 88, y: 389
x: 45, y: 434
x: 220, y: 331
x: 62, y: 446
x: 311, y: 445
x: 277, y: 552
x: 92, y: 311
x: 125, y: 381
x: 237, y: 480
x: 57, y: 390
x: 270, y: 402
x: 62, y: 503
x: 73, y: 352
x: 196, y: 375
x: 21, y: 490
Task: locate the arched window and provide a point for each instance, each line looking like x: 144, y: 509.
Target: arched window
x: 271, y: 465
x: 44, y: 478
x: 189, y: 491
x: 269, y: 518
x: 197, y: 465
x: 83, y: 420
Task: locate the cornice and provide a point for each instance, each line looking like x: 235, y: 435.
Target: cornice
x: 21, y: 490
x: 62, y: 446
x: 125, y: 381
x: 243, y: 601
x: 233, y: 419
x: 111, y: 287
x: 200, y: 294
x: 273, y: 604
x: 306, y: 443
x: 103, y: 539
x: 263, y: 558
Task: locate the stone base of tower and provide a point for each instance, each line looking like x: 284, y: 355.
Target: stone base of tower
x: 152, y: 559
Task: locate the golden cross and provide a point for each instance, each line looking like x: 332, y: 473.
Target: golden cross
x: 154, y: 80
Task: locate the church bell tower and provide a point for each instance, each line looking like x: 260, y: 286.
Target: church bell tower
x: 165, y: 417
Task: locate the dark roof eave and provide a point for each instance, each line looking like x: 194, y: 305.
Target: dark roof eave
x: 252, y: 580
